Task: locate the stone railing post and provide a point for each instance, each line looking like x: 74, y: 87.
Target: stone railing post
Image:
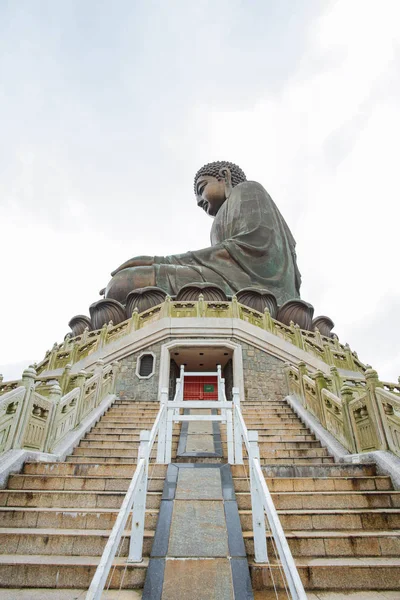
x: 318, y: 337
x: 115, y: 371
x: 134, y: 320
x: 79, y: 381
x: 235, y: 308
x: 372, y: 379
x: 302, y: 371
x: 65, y: 377
x: 200, y: 306
x: 328, y: 354
x: 346, y: 394
x: 103, y: 336
x: 28, y: 381
x: 320, y: 384
x: 98, y: 370
x: 53, y: 356
x: 54, y: 397
x: 267, y: 321
x: 350, y: 358
x: 336, y: 381
x: 297, y: 337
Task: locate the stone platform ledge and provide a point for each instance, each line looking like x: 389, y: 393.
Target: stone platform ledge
x: 386, y: 462
x: 13, y: 460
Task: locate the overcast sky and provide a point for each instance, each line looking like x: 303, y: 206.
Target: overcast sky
x: 107, y: 110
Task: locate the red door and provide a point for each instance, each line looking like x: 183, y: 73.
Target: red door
x: 201, y: 388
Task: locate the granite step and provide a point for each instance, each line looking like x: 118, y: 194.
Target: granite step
x: 73, y: 482
x: 319, y: 484
x: 68, y: 542
x: 82, y: 518
x: 70, y: 499
x: 327, y: 500
x: 91, y: 469
x: 334, y: 543
x: 25, y: 570
x: 344, y: 573
x: 330, y: 519
x: 320, y: 470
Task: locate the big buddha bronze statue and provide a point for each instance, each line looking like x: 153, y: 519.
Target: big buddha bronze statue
x: 251, y: 244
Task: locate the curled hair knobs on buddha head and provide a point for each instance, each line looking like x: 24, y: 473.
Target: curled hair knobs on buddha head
x: 213, y: 169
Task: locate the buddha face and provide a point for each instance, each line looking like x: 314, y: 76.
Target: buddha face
x: 210, y: 193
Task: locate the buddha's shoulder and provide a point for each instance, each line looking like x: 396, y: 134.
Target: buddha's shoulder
x: 249, y: 189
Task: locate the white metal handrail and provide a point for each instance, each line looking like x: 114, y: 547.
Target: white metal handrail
x: 135, y: 501
x: 262, y: 504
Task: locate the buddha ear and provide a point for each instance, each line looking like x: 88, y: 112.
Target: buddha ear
x: 225, y: 172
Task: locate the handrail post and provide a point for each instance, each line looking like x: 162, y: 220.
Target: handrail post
x: 221, y: 390
x: 162, y: 432
x: 139, y: 504
x: 168, y: 435
x: 229, y: 435
x: 236, y: 427
x: 257, y: 509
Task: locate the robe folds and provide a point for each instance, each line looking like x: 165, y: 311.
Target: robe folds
x: 251, y: 246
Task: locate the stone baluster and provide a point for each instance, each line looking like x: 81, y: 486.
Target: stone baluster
x: 28, y: 381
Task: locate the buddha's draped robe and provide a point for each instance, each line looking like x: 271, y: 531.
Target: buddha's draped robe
x: 251, y: 246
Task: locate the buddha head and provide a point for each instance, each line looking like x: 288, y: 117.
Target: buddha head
x: 214, y: 182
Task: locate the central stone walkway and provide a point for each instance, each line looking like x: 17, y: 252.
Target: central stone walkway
x: 198, y: 549
x: 200, y: 438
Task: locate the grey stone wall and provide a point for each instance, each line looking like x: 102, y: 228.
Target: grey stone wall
x: 129, y: 386
x: 264, y: 376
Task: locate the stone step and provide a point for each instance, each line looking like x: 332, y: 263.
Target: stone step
x: 326, y: 500
x: 68, y: 482
x: 127, y: 429
x: 118, y: 437
x: 91, y: 469
x: 345, y: 573
x: 66, y: 542
x: 263, y: 420
x: 73, y: 594
x: 287, y: 445
x: 289, y: 429
x: 118, y: 445
x: 70, y: 499
x: 334, y: 543
x: 102, y: 459
x: 99, y: 451
x: 263, y: 410
x: 320, y: 470
x: 268, y: 452
x: 287, y: 437
x: 319, y: 484
x: 369, y: 519
x: 86, y: 518
x: 296, y: 460
x: 24, y: 570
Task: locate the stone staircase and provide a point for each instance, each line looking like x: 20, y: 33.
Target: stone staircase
x: 55, y: 518
x: 342, y: 521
